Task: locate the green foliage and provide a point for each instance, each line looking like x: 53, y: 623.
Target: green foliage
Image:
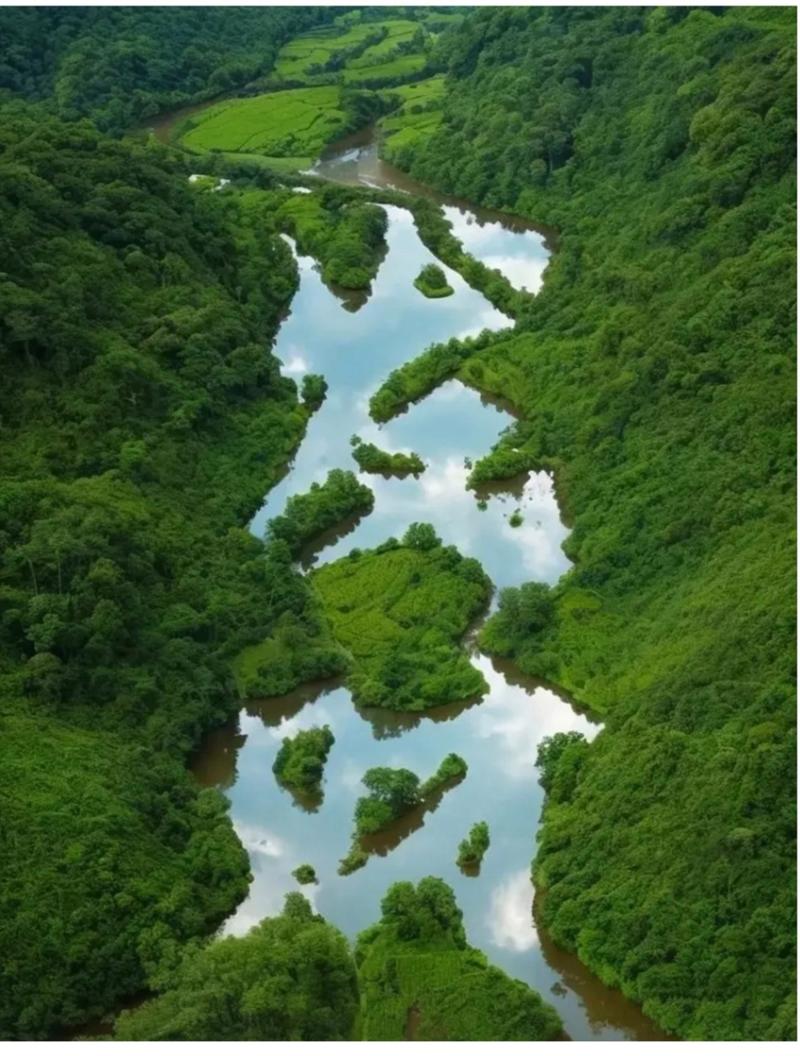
x: 135, y: 313
x: 371, y: 459
x: 503, y: 462
x: 111, y: 859
x: 392, y: 793
x: 321, y: 507
x: 418, y: 114
x: 305, y: 874
x: 313, y: 389
x: 420, y: 981
x: 346, y: 236
x: 472, y: 849
x: 419, y: 377
x: 432, y: 281
x: 356, y: 858
x: 653, y: 371
x: 301, y: 759
x: 401, y: 612
x: 120, y: 66
x: 451, y: 770
x: 559, y: 759
x: 295, y: 123
x: 291, y: 978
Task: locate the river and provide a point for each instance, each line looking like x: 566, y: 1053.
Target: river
x: 355, y: 344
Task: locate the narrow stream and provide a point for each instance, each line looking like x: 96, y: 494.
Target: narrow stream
x: 498, y: 736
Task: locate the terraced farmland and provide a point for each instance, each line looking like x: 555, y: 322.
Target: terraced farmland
x: 296, y: 123
x: 418, y: 115
x: 316, y: 48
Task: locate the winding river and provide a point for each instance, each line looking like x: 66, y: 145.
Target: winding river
x: 355, y: 344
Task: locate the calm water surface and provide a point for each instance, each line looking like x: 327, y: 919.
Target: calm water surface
x: 355, y: 350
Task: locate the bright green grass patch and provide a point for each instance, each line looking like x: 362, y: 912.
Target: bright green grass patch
x: 427, y: 91
x: 290, y: 124
x: 397, y: 32
x: 300, y: 55
x: 419, y: 113
x: 401, y: 611
x: 402, y: 66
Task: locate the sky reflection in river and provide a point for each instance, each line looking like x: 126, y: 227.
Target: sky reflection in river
x: 498, y: 736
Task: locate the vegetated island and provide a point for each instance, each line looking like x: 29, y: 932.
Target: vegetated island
x: 305, y: 874
x: 432, y: 281
x: 400, y: 611
x: 300, y: 762
x: 394, y: 793
x: 472, y: 849
x: 322, y: 507
x: 420, y: 981
x: 372, y: 459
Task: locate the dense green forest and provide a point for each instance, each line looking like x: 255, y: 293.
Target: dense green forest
x: 143, y: 419
x: 121, y: 66
x: 291, y: 978
x: 134, y: 315
x: 655, y: 373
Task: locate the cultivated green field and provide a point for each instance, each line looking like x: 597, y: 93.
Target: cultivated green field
x: 295, y: 123
x: 419, y: 113
x: 300, y: 55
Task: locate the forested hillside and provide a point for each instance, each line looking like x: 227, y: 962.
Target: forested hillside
x: 655, y: 372
x: 121, y: 66
x: 142, y: 421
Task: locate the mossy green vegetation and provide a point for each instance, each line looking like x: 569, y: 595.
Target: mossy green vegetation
x: 120, y: 66
x: 305, y: 874
x: 432, y: 282
x: 472, y: 849
x: 356, y: 858
x: 359, y: 48
x: 392, y: 792
x: 291, y: 978
x: 301, y: 759
x: 323, y: 506
x: 372, y: 459
x: 420, y: 981
x: 654, y: 374
x: 451, y: 770
x: 299, y: 647
x: 400, y: 611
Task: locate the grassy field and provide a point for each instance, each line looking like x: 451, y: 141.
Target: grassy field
x: 398, y: 31
x: 400, y: 613
x: 300, y: 55
x: 286, y: 129
x: 402, y: 66
x: 291, y: 124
